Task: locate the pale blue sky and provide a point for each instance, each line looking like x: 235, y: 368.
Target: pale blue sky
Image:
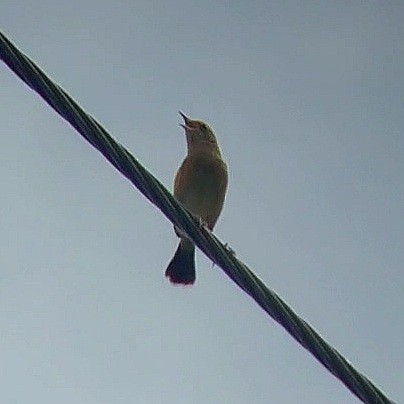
x: 306, y: 99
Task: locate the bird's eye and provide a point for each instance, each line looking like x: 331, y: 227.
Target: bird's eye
x: 204, y: 127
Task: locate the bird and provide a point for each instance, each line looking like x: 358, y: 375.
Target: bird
x: 200, y: 184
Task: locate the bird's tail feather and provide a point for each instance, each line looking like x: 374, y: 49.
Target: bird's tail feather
x: 181, y: 269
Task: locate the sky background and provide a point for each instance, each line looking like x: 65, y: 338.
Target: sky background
x: 306, y: 99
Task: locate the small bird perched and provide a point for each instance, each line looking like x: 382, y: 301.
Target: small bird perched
x: 200, y: 185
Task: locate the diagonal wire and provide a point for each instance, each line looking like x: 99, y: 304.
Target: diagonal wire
x: 156, y: 193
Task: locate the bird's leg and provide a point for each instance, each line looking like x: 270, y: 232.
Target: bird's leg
x: 203, y: 223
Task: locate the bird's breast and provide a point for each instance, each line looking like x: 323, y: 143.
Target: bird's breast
x: 201, y: 184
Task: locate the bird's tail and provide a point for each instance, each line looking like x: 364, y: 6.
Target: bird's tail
x: 181, y: 269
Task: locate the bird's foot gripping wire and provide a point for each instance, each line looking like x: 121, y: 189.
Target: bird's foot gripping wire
x: 229, y: 249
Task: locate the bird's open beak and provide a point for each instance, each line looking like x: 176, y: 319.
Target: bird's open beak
x: 188, y: 123
x: 184, y: 117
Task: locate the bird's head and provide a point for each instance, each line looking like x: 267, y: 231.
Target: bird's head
x: 199, y: 135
